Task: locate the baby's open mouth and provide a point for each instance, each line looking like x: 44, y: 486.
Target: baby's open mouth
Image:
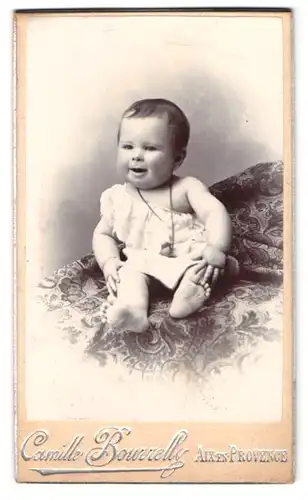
x: 138, y: 170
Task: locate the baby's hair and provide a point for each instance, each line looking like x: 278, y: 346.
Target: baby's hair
x: 178, y: 123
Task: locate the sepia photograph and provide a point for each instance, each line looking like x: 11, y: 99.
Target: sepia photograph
x: 153, y: 152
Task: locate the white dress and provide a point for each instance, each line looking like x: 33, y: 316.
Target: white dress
x: 144, y: 231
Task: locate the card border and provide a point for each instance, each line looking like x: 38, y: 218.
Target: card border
x: 281, y: 434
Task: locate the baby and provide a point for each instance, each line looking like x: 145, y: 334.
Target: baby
x: 172, y: 229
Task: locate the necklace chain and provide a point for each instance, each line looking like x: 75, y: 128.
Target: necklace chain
x: 171, y: 244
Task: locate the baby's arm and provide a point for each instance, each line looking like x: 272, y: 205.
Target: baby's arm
x: 107, y: 254
x: 212, y: 213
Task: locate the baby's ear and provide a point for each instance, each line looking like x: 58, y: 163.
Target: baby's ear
x: 179, y: 158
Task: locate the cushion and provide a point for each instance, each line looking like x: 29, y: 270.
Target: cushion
x: 223, y: 333
x: 254, y: 200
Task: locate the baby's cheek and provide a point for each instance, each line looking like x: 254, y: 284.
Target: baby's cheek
x: 152, y: 156
x: 122, y: 157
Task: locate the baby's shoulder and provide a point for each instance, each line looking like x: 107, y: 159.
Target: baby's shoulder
x: 112, y: 197
x: 189, y: 183
x: 113, y: 192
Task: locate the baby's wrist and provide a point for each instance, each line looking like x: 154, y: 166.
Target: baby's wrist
x: 217, y: 247
x: 215, y: 256
x: 108, y: 260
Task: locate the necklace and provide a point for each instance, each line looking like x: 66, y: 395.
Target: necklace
x: 167, y: 248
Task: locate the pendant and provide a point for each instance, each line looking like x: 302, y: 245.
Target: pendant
x: 166, y: 249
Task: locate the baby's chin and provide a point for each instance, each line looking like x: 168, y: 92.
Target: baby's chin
x: 144, y: 182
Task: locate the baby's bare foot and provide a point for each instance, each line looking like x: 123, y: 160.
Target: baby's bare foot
x: 120, y: 316
x: 189, y: 297
x: 207, y: 290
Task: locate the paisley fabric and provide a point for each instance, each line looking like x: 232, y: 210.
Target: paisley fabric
x: 254, y: 199
x: 225, y: 331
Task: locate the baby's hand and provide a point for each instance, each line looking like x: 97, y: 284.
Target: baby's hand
x: 215, y: 261
x: 214, y: 257
x: 216, y: 264
x: 111, y: 273
x: 210, y: 255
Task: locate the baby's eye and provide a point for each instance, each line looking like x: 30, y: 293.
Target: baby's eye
x: 127, y: 146
x: 150, y: 148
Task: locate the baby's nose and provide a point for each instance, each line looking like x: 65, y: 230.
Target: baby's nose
x: 137, y: 154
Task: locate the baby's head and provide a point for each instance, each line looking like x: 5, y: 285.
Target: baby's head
x: 152, y: 141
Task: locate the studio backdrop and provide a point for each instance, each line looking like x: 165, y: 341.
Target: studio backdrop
x: 84, y: 71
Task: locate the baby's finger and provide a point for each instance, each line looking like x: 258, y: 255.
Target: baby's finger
x: 111, y: 299
x: 116, y: 278
x: 108, y: 287
x: 114, y: 274
x: 208, y: 273
x: 198, y: 273
x: 118, y: 267
x: 215, y: 276
x: 112, y: 285
x: 202, y: 280
x: 110, y: 292
x: 199, y: 267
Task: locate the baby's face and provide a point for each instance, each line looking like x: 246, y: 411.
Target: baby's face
x: 145, y: 154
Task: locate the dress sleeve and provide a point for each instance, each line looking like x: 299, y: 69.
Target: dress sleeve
x: 106, y: 206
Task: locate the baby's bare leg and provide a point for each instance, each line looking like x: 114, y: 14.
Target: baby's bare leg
x: 130, y: 309
x: 190, y: 296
